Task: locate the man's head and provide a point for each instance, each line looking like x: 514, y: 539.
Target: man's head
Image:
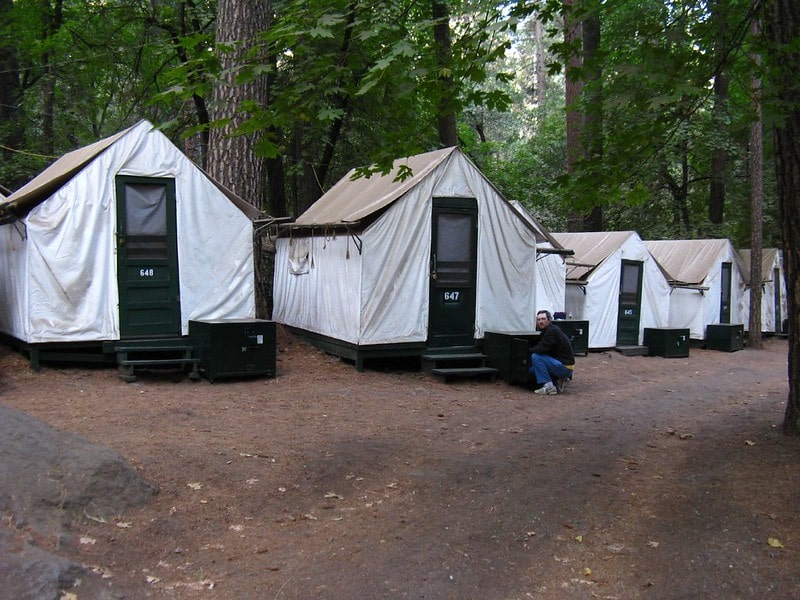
x: 543, y: 318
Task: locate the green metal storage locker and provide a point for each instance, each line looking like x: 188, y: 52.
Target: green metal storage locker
x: 726, y: 337
x: 234, y: 347
x: 667, y: 342
x: 578, y: 334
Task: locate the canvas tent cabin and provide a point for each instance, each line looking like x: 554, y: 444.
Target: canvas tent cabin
x: 550, y: 270
x: 123, y: 239
x: 707, y: 281
x: 382, y: 267
x: 773, y: 291
x: 614, y: 283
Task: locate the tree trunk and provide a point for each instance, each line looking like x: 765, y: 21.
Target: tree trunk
x: 539, y: 59
x: 593, y: 116
x: 11, y: 134
x: 232, y: 158
x: 573, y: 88
x: 756, y: 207
x: 53, y: 18
x: 783, y: 24
x: 446, y: 116
x: 719, y: 155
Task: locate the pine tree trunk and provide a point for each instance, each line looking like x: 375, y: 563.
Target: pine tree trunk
x: 10, y: 98
x: 572, y: 91
x: 756, y: 208
x: 719, y: 155
x: 593, y: 117
x: 783, y: 24
x: 232, y: 158
x: 540, y: 69
x: 446, y: 118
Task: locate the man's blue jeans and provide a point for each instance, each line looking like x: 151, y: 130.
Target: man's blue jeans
x: 546, y: 368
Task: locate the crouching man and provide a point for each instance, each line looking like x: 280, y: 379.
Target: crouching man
x: 553, y: 360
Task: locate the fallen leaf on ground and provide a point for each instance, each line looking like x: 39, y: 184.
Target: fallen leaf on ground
x: 579, y: 538
x: 775, y: 543
x: 652, y: 544
x: 750, y: 442
x: 195, y: 485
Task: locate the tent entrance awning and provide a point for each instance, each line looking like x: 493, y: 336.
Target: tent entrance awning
x: 688, y: 286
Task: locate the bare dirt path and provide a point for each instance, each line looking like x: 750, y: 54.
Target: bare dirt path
x: 648, y: 478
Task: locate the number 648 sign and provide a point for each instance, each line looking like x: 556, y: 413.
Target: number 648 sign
x: 147, y: 272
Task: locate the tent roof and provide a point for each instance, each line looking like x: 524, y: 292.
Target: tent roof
x: 41, y: 187
x: 768, y: 258
x: 591, y: 248
x: 688, y: 262
x: 351, y: 200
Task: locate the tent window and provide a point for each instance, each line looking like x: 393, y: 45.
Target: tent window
x: 146, y: 220
x: 725, y: 294
x: 453, y: 244
x: 629, y: 288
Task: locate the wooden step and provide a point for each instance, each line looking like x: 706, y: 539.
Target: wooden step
x: 153, y: 353
x: 452, y: 360
x: 465, y: 372
x: 158, y: 361
x: 148, y: 344
x: 632, y: 350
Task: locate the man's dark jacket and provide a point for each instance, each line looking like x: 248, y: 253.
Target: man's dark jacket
x: 554, y: 342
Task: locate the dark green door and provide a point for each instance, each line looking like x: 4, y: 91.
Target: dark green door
x: 725, y: 294
x: 630, y: 303
x: 147, y: 257
x: 454, y: 251
x: 776, y: 285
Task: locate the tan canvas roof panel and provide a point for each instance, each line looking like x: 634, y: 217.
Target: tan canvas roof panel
x: 353, y: 199
x: 591, y: 249
x: 768, y: 258
x: 687, y: 261
x: 41, y: 187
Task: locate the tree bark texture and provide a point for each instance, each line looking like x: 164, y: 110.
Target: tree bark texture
x: 540, y: 67
x: 53, y: 19
x: 446, y: 117
x: 719, y: 155
x: 572, y: 94
x: 232, y: 158
x: 783, y: 24
x: 11, y: 133
x: 593, y: 114
x: 756, y: 208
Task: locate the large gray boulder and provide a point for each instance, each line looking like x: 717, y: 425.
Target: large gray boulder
x: 49, y: 479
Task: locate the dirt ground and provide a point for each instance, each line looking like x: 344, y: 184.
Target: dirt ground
x: 648, y: 478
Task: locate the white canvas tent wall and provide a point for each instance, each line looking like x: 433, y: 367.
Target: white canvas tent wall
x: 362, y: 275
x: 694, y: 270
x: 58, y: 280
x: 593, y: 283
x: 773, y: 291
x: 551, y: 271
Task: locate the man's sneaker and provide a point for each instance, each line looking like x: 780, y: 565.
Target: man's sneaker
x: 547, y: 389
x: 560, y: 384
